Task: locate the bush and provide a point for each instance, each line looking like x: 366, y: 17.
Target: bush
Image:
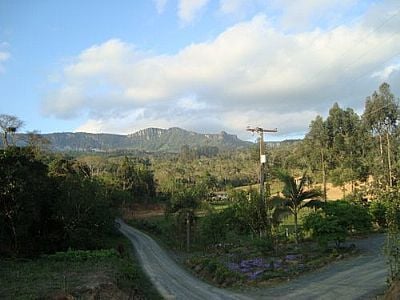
x: 215, y: 226
x: 83, y: 255
x: 353, y: 217
x: 336, y: 221
x: 325, y: 228
x: 264, y: 245
x: 378, y: 210
x: 214, y: 270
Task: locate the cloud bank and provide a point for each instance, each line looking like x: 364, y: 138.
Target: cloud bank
x: 253, y: 73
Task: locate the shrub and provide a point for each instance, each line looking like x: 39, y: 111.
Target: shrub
x: 378, y: 210
x: 264, y: 245
x: 82, y: 255
x: 336, y: 221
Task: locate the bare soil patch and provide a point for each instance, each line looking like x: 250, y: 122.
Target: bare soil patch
x: 143, y: 211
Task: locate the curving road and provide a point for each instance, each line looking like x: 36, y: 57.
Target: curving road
x: 362, y: 277
x: 171, y: 281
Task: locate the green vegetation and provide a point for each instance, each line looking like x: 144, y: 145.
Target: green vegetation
x: 46, y: 209
x: 358, y: 154
x: 392, y: 247
x: 79, y: 273
x: 48, y: 206
x: 297, y: 197
x: 336, y: 221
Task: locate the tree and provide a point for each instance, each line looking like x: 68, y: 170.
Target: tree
x: 64, y: 167
x: 251, y: 216
x: 95, y: 163
x: 296, y: 196
x: 84, y: 210
x: 136, y: 177
x: 9, y: 124
x: 317, y: 138
x: 26, y: 204
x: 392, y: 243
x: 82, y: 205
x: 345, y: 143
x: 37, y: 142
x: 381, y: 118
x: 183, y: 202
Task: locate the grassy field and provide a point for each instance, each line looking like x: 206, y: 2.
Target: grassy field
x: 99, y: 274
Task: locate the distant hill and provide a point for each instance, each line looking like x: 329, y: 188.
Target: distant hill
x: 150, y: 139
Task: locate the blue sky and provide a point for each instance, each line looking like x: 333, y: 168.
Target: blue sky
x: 203, y: 65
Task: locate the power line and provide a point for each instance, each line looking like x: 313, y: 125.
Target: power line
x: 345, y: 52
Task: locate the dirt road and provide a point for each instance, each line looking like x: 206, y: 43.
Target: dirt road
x: 171, y: 280
x: 357, y: 278
x: 362, y: 277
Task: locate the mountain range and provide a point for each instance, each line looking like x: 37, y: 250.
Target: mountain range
x: 150, y: 139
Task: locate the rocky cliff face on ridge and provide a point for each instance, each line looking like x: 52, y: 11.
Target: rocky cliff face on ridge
x: 150, y: 139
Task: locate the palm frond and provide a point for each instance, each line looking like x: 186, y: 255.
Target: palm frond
x: 313, y: 204
x: 276, y: 201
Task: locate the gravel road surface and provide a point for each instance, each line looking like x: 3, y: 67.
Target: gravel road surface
x: 170, y: 279
x: 361, y: 277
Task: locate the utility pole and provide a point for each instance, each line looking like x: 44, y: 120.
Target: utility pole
x: 263, y: 158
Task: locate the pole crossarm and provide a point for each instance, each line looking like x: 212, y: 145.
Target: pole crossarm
x: 261, y: 130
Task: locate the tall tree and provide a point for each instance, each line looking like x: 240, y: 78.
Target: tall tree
x: 183, y: 201
x: 9, y: 124
x: 26, y: 195
x: 345, y: 134
x: 316, y: 142
x: 381, y: 118
x: 37, y: 142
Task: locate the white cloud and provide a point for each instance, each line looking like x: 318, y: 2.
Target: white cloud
x: 251, y: 74
x: 387, y: 72
x: 4, y: 55
x: 300, y: 14
x: 191, y: 103
x: 160, y: 5
x: 118, y: 124
x: 233, y: 6
x: 187, y: 9
x: 64, y: 102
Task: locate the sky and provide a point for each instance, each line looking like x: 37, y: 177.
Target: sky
x: 202, y: 65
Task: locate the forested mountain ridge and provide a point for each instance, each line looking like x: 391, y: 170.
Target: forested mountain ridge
x: 150, y: 139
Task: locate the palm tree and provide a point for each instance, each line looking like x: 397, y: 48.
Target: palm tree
x: 295, y: 196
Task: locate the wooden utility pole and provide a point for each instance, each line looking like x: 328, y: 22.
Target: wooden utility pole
x: 263, y: 159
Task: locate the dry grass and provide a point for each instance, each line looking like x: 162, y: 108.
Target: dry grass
x: 143, y: 211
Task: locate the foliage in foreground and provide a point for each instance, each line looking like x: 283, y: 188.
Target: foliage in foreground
x: 82, y: 274
x: 42, y: 210
x: 392, y: 245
